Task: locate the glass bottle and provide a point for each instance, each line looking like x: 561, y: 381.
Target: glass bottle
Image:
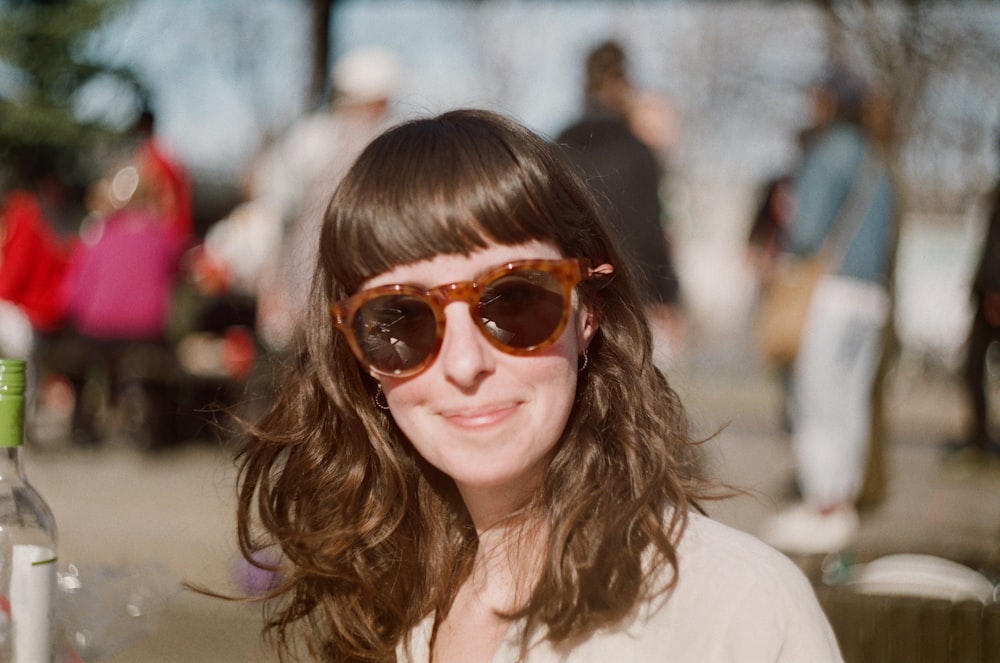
x: 27, y: 537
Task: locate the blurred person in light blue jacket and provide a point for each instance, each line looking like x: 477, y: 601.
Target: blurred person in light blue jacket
x: 846, y: 208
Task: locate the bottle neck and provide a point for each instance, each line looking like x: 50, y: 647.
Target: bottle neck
x: 11, y: 464
x: 11, y: 419
x: 11, y: 430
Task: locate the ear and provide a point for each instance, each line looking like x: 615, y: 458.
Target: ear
x: 588, y: 322
x: 591, y: 313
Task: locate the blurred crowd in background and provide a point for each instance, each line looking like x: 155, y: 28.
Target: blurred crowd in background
x: 144, y: 316
x: 134, y: 323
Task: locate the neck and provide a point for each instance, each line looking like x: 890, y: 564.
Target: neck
x: 507, y: 563
x: 510, y: 537
x: 490, y: 508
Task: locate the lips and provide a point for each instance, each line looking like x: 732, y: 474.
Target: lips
x: 480, y: 416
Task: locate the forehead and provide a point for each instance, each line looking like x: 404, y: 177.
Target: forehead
x: 453, y: 267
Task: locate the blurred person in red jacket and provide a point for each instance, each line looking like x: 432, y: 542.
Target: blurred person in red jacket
x: 165, y: 178
x: 32, y: 265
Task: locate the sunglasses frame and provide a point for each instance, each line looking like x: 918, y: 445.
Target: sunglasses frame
x: 568, y: 273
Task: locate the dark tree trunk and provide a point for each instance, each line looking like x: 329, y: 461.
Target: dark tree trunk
x: 322, y: 12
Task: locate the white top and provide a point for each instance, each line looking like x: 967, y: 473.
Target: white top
x: 736, y: 599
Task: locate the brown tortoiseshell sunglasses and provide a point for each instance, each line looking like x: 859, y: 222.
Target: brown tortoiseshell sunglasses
x: 520, y: 307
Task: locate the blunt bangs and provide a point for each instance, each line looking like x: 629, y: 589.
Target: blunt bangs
x: 446, y: 185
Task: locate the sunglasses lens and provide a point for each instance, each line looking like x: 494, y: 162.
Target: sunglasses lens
x: 396, y: 332
x: 522, y: 309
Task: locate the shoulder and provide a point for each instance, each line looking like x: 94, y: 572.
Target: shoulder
x: 713, y: 554
x: 313, y: 133
x: 707, y: 541
x: 840, y: 146
x: 736, y: 599
x: 593, y: 128
x: 749, y: 591
x: 20, y: 211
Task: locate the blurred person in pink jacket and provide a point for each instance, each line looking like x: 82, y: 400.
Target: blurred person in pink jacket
x: 120, y: 290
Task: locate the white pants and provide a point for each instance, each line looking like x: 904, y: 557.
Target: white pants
x: 832, y: 388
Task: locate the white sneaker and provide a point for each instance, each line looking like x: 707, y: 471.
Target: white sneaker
x: 803, y: 530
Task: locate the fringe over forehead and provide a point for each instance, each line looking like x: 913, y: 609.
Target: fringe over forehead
x: 450, y: 185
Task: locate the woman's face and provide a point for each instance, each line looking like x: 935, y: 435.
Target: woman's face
x: 487, y: 419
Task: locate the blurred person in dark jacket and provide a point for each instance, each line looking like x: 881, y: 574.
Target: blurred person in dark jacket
x: 627, y: 176
x: 983, y: 331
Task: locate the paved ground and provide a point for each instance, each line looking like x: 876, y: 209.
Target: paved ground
x: 935, y: 503
x: 169, y: 516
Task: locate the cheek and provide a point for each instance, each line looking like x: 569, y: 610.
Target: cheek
x: 555, y: 375
x: 401, y: 393
x: 555, y: 395
x: 407, y: 409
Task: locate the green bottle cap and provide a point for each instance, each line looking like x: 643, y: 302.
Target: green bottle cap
x: 11, y: 402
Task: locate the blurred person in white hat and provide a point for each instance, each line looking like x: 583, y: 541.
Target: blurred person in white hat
x: 294, y: 177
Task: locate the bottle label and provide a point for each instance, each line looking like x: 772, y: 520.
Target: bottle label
x: 32, y: 589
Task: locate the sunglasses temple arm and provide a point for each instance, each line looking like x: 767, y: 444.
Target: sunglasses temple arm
x: 599, y: 280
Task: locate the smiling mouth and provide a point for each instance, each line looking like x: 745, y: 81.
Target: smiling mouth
x: 479, y: 417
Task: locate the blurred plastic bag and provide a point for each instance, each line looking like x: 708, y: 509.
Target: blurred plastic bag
x: 100, y: 609
x: 912, y: 575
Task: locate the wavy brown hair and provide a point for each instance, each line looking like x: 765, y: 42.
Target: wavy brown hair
x: 375, y: 538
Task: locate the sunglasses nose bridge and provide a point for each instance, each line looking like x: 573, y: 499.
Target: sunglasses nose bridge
x: 462, y: 291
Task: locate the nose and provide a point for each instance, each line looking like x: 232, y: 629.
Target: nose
x: 465, y: 356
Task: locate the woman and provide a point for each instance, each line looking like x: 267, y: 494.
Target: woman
x: 845, y: 209
x: 508, y: 485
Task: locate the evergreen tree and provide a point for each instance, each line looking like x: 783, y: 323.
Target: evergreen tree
x: 44, y: 65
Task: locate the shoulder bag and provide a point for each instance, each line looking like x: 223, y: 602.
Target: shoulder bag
x: 784, y: 303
